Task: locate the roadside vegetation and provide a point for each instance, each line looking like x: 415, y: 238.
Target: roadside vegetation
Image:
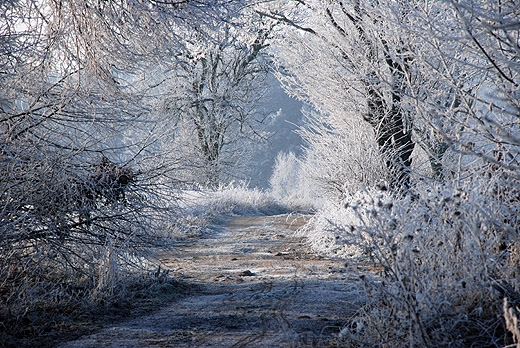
x: 417, y: 150
x: 128, y: 125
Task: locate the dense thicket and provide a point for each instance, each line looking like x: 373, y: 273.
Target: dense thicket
x: 86, y: 178
x: 416, y: 128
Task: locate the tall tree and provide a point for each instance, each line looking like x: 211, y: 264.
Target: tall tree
x: 212, y: 92
x: 79, y: 177
x: 382, y: 60
x: 385, y: 113
x: 371, y: 58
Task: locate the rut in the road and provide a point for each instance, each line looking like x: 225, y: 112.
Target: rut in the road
x: 258, y: 286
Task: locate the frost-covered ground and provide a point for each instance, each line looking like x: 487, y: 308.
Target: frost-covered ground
x: 256, y: 284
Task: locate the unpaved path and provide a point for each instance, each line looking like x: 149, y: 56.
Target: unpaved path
x: 258, y: 285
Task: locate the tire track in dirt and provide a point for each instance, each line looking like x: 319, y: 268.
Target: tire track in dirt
x: 256, y: 285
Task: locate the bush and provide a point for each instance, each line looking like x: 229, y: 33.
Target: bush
x: 70, y: 229
x: 447, y: 256
x: 290, y: 185
x: 232, y: 199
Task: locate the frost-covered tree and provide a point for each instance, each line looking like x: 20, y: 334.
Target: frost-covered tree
x: 449, y: 250
x: 415, y: 72
x: 80, y: 178
x: 472, y: 47
x: 211, y: 95
x: 356, y: 65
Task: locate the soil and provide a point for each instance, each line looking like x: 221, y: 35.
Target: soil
x: 254, y: 283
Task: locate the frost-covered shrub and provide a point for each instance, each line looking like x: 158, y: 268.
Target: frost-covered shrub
x: 290, y: 186
x: 69, y: 227
x: 447, y: 256
x: 286, y: 175
x: 325, y: 232
x: 341, y: 154
x: 232, y: 199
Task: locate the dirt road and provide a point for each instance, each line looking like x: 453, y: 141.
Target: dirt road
x: 257, y: 285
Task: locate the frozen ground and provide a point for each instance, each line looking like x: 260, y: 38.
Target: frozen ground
x: 256, y: 284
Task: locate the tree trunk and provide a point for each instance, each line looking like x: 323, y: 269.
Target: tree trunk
x: 392, y: 136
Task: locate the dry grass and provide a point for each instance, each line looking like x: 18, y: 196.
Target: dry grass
x: 71, y: 312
